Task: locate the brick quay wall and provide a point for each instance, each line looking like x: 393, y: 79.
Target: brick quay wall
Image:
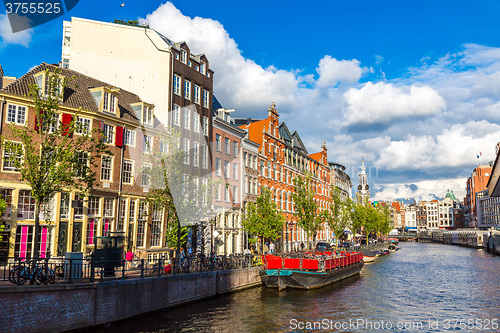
x: 63, y: 307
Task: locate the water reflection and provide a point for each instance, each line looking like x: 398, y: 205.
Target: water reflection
x: 421, y: 282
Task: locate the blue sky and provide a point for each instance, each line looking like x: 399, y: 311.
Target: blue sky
x: 412, y: 85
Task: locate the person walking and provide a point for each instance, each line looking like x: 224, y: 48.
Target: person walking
x: 271, y: 248
x: 302, y: 246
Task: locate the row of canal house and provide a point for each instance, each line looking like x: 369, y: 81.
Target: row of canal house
x: 172, y: 89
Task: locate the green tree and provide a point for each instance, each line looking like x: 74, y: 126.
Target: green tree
x: 48, y: 158
x: 263, y: 218
x: 339, y: 218
x: 309, y: 218
x: 358, y: 216
x: 3, y: 207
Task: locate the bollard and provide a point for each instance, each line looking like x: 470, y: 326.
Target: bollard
x: 102, y: 270
x: 123, y: 270
x: 142, y: 268
x: 160, y: 266
x: 70, y: 267
x: 92, y: 269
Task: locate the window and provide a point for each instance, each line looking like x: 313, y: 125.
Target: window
x: 122, y: 211
x: 128, y: 171
x: 9, y: 156
x: 163, y: 146
x: 108, y: 207
x: 141, y: 228
x: 226, y: 169
x: 6, y: 195
x: 156, y: 226
x: 196, y: 153
x: 235, y: 194
x: 235, y: 171
x: 147, y: 143
x: 129, y: 137
x: 196, y: 122
x: 25, y: 206
x: 176, y: 115
x: 226, y: 146
x: 51, y: 125
x: 206, y: 98
x: 109, y: 102
x: 186, y: 151
x: 204, y: 156
x: 217, y: 142
x: 187, y: 118
x: 108, y: 133
x: 203, y: 68
x: 131, y: 213
x: 183, y: 56
x: 16, y: 114
x: 91, y: 230
x: 82, y: 125
x: 217, y: 166
x: 197, y: 94
x: 78, y: 211
x: 226, y: 193
x: 204, y: 183
x: 65, y: 207
x: 217, y: 192
x: 147, y: 115
x: 235, y: 149
x: 146, y: 177
x: 81, y: 163
x: 177, y: 84
x: 187, y: 89
x: 106, y: 167
x: 205, y: 126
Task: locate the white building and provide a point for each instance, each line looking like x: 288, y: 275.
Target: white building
x: 411, y: 217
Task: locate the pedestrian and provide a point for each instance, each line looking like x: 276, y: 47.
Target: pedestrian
x: 129, y: 257
x: 271, y: 248
x: 302, y: 246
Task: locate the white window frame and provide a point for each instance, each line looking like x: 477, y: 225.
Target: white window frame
x: 109, y: 102
x: 187, y: 118
x: 205, y: 126
x: 147, y: 115
x: 218, y: 143
x: 108, y: 134
x: 227, y: 146
x: 196, y: 153
x: 108, y: 168
x: 217, y: 167
x: 83, y: 125
x: 128, y: 175
x: 235, y: 171
x: 204, y: 153
x: 187, y: 89
x: 6, y: 154
x: 176, y: 115
x: 147, y: 143
x: 235, y: 149
x: 146, y: 179
x: 206, y: 98
x: 129, y: 138
x: 196, y: 122
x: 185, y: 148
x: 203, y: 68
x: 227, y: 169
x: 16, y: 114
x: 183, y: 56
x: 197, y: 94
x: 177, y: 84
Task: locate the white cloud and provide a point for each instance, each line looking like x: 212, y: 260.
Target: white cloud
x: 420, y: 190
x: 453, y: 148
x: 333, y: 72
x: 8, y: 37
x: 381, y: 103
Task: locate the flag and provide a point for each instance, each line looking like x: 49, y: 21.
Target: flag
x: 479, y: 154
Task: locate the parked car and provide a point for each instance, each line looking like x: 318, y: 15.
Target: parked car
x: 323, y: 247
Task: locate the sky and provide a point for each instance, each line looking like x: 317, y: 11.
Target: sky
x: 413, y: 86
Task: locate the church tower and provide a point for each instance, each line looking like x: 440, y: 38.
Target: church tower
x: 363, y: 195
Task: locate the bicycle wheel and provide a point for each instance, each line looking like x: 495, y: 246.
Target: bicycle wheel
x: 13, y: 275
x: 59, y: 272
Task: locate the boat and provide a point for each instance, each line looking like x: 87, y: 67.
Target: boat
x: 313, y: 270
x: 369, y: 255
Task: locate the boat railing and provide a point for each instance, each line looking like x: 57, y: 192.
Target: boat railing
x: 319, y: 263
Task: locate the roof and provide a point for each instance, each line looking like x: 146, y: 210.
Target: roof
x: 396, y: 206
x: 256, y: 129
x: 316, y: 156
x: 76, y: 93
x: 297, y: 142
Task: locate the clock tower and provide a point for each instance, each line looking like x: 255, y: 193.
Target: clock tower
x: 363, y: 194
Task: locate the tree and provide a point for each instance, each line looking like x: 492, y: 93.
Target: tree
x: 339, y: 217
x: 3, y: 207
x: 263, y: 218
x: 48, y: 157
x: 175, y: 190
x: 306, y: 208
x: 358, y: 216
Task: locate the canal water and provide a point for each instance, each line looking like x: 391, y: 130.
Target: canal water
x: 423, y: 287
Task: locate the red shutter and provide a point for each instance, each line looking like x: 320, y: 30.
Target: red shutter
x: 66, y: 121
x: 141, y: 138
x: 37, y: 128
x: 156, y: 145
x: 101, y: 127
x: 119, y: 136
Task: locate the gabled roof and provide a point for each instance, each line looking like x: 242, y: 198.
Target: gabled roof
x: 285, y: 133
x: 256, y: 129
x: 76, y: 93
x: 317, y: 157
x: 396, y: 206
x: 297, y: 142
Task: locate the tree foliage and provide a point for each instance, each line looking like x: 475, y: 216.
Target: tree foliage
x: 263, y: 218
x: 339, y: 218
x: 309, y: 218
x: 48, y: 157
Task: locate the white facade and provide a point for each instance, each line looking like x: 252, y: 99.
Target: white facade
x: 432, y: 215
x: 133, y: 58
x: 446, y: 213
x: 411, y: 217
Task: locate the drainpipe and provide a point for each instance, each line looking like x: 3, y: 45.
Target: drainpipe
x: 121, y: 180
x: 1, y: 114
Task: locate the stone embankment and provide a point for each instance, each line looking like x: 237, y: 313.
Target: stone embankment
x: 62, y: 307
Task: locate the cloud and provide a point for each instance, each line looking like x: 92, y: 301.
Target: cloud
x: 333, y: 72
x: 453, y: 148
x: 8, y: 37
x: 382, y: 103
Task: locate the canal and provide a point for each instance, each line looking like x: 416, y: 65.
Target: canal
x: 422, y: 287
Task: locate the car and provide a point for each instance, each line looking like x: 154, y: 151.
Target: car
x: 323, y: 247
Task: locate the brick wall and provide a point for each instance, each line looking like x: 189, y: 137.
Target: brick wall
x: 58, y: 308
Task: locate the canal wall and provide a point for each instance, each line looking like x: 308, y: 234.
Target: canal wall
x: 57, y: 308
x: 478, y: 239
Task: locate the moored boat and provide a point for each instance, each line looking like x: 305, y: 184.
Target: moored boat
x: 315, y: 270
